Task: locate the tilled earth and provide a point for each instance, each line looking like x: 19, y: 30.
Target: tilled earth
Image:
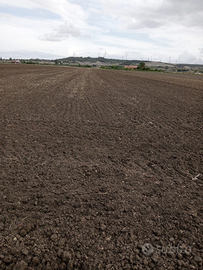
x: 100, y: 169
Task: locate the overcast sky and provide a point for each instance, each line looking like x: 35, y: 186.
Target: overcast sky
x: 159, y: 30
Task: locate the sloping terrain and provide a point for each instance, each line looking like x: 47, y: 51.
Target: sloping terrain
x: 95, y: 164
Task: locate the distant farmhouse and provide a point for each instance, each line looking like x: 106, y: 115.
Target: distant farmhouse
x: 15, y: 62
x: 131, y: 67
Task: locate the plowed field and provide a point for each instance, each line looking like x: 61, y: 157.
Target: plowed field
x: 100, y: 169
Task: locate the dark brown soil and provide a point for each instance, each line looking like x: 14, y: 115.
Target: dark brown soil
x: 96, y: 164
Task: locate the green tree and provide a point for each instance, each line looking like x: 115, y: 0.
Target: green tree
x: 141, y: 66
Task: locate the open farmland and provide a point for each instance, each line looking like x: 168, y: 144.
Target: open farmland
x: 96, y: 163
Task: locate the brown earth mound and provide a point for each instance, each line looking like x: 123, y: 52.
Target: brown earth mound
x: 100, y: 169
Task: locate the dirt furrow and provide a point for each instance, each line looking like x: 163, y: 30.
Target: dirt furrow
x: 94, y: 164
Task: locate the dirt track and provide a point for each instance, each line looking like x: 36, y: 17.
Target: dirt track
x: 95, y: 164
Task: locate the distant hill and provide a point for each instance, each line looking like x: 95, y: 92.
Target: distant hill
x: 101, y: 61
x: 111, y: 63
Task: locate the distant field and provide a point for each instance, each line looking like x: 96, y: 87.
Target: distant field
x: 96, y: 163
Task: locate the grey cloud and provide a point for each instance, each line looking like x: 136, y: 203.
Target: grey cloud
x: 193, y: 5
x: 62, y: 32
x: 186, y: 57
x: 187, y: 13
x: 151, y: 23
x: 144, y: 24
x: 180, y: 8
x: 67, y: 29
